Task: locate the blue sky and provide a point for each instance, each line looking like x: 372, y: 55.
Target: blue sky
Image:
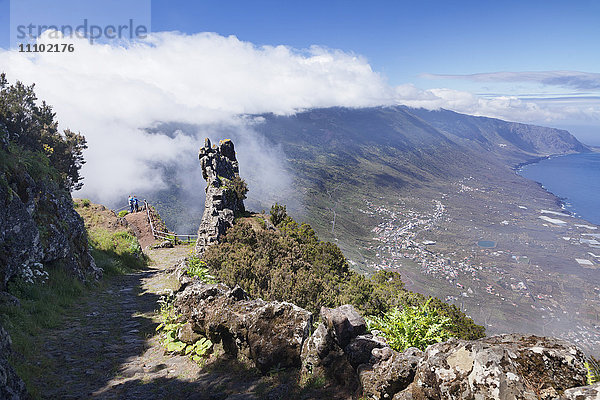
x: 403, y: 39
x: 440, y: 46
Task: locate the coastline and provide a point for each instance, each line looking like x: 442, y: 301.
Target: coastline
x: 534, y: 160
x: 561, y: 202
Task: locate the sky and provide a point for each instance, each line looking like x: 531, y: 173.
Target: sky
x: 206, y: 62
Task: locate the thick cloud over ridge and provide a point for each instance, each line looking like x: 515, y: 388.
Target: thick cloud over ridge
x: 112, y: 93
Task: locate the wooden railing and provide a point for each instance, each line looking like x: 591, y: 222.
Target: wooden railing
x: 171, y: 236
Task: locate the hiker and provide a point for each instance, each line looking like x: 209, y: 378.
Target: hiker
x: 131, y: 203
x: 137, y: 206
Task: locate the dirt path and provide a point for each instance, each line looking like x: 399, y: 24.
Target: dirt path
x: 139, y: 223
x: 108, y: 348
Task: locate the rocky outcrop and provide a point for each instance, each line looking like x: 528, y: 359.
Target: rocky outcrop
x: 270, y: 334
x: 591, y: 392
x: 11, y: 386
x: 388, y: 372
x: 220, y: 169
x: 340, y: 350
x: 39, y: 228
x: 499, y: 367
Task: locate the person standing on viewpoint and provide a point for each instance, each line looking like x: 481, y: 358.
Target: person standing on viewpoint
x: 131, y: 203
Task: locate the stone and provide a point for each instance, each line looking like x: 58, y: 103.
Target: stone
x: 8, y: 298
x: 165, y: 244
x: 270, y: 334
x: 390, y: 373
x: 591, y: 392
x: 219, y: 167
x: 39, y: 228
x: 344, y: 322
x: 11, y: 386
x: 359, y: 351
x: 499, y: 367
x: 187, y: 335
x: 323, y: 357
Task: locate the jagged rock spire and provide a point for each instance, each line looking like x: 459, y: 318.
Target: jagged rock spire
x: 219, y: 169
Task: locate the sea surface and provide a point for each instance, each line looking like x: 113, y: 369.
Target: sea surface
x: 575, y: 178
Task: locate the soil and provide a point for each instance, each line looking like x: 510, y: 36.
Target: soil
x: 138, y: 222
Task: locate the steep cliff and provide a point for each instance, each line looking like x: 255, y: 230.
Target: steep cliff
x: 225, y: 192
x: 40, y: 229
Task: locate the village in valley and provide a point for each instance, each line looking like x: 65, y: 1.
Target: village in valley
x: 496, y: 268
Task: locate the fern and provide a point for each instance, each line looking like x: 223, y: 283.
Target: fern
x: 593, y: 371
x: 412, y: 326
x: 198, y: 268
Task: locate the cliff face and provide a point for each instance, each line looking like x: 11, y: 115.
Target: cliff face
x: 11, y: 386
x: 220, y: 170
x: 40, y: 229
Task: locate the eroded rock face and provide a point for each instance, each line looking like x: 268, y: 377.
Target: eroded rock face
x: 591, y: 392
x: 323, y: 357
x: 39, y: 228
x: 499, y: 367
x: 219, y: 168
x: 389, y: 372
x: 11, y: 386
x: 271, y: 334
x: 344, y: 323
x: 338, y: 346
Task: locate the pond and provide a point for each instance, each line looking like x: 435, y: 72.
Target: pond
x: 486, y: 244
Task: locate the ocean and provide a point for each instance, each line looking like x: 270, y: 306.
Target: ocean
x: 575, y: 178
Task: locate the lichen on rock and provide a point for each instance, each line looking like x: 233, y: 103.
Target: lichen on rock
x: 39, y: 228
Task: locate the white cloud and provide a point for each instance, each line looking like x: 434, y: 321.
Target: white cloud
x: 572, y: 79
x: 110, y: 93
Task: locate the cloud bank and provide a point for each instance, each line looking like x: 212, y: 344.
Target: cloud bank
x: 113, y: 93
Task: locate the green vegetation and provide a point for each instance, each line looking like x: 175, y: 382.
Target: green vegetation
x: 49, y: 294
x: 169, y: 329
x: 412, y: 326
x: 31, y: 140
x: 42, y: 306
x: 116, y: 252
x: 198, y: 268
x: 238, y: 186
x: 294, y: 265
x: 123, y: 213
x: 593, y: 371
x: 278, y: 214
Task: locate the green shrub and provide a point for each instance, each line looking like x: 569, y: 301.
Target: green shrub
x: 116, y: 252
x: 412, y: 326
x: 85, y: 202
x: 30, y: 128
x: 239, y: 187
x: 278, y: 214
x: 593, y: 371
x: 198, y: 268
x: 294, y: 265
x: 123, y: 213
x: 169, y: 329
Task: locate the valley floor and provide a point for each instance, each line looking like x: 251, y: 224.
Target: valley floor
x: 539, y: 276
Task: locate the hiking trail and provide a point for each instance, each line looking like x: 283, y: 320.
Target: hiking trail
x: 107, y: 347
